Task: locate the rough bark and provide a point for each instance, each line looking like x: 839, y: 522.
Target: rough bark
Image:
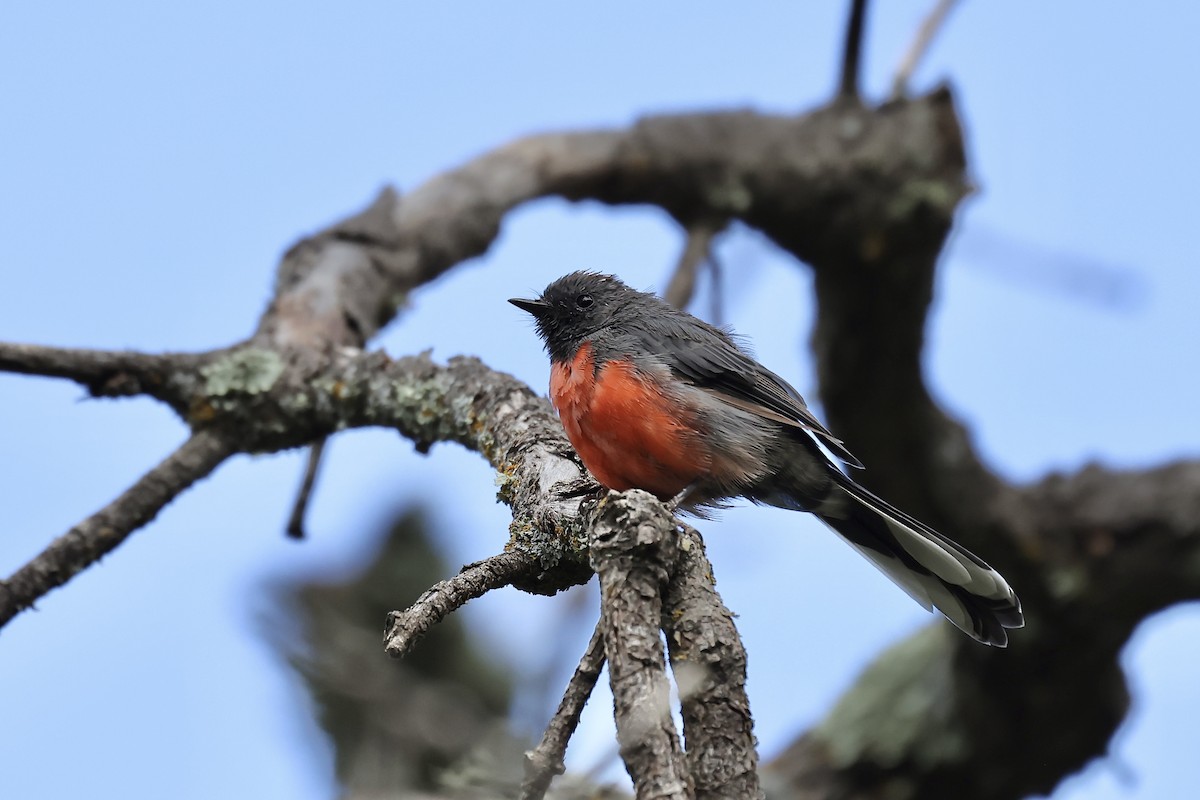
x: 709, y: 663
x: 633, y: 550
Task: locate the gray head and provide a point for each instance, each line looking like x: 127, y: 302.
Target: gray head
x: 574, y: 307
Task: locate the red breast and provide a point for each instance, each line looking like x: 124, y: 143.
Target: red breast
x: 625, y: 427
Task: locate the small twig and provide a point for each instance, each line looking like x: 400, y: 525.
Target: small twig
x: 295, y: 526
x: 633, y: 549
x: 105, y: 373
x: 99, y: 534
x: 920, y: 45
x: 405, y: 627
x: 546, y: 760
x: 852, y: 51
x: 695, y: 252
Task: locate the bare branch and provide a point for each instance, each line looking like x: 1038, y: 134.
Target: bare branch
x: 546, y: 760
x: 105, y: 373
x: 404, y: 628
x: 709, y: 663
x: 695, y: 252
x: 852, y: 51
x: 920, y: 45
x: 717, y: 309
x: 295, y: 526
x: 633, y: 550
x: 99, y: 534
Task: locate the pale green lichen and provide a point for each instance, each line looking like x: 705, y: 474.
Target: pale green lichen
x: 420, y: 407
x: 899, y: 709
x: 729, y: 194
x: 249, y: 371
x: 914, y: 194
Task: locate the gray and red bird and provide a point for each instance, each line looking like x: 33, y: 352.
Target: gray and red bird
x: 653, y: 398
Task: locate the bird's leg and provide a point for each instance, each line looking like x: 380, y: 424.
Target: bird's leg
x: 674, y: 503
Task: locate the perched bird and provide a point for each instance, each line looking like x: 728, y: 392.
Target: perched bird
x: 656, y: 399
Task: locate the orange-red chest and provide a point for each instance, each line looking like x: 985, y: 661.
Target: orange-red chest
x: 626, y: 429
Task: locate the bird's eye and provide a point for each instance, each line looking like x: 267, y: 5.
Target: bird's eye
x: 584, y: 301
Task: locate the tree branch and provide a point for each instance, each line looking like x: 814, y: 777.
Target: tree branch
x: 101, y: 533
x: 475, y: 580
x: 104, y: 373
x: 709, y: 663
x: 633, y: 550
x: 546, y: 760
x: 295, y: 525
x: 920, y: 45
x: 852, y: 51
x: 696, y: 251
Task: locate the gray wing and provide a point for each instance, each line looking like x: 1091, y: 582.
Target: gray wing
x: 711, y: 359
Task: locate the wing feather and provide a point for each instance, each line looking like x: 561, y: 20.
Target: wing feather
x: 711, y: 359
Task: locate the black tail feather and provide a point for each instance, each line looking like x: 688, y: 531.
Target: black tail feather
x: 933, y: 570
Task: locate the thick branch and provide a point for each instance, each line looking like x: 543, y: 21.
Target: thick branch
x: 514, y: 429
x: 709, y: 663
x: 339, y: 286
x: 633, y: 550
x: 102, y: 532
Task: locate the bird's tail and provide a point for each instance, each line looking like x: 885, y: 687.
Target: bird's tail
x: 933, y: 570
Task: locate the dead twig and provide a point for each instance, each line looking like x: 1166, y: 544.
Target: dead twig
x: 295, y: 526
x: 101, y: 533
x: 104, y: 373
x: 852, y: 51
x: 546, y: 760
x: 920, y: 45
x: 475, y: 580
x: 696, y: 251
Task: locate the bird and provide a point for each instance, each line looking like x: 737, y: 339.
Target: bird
x: 654, y: 398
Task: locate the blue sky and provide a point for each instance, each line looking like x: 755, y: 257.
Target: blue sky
x: 158, y: 158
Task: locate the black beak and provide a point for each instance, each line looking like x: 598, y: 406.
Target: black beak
x: 535, y: 307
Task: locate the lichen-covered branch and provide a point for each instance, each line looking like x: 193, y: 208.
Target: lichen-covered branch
x: 99, y: 534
